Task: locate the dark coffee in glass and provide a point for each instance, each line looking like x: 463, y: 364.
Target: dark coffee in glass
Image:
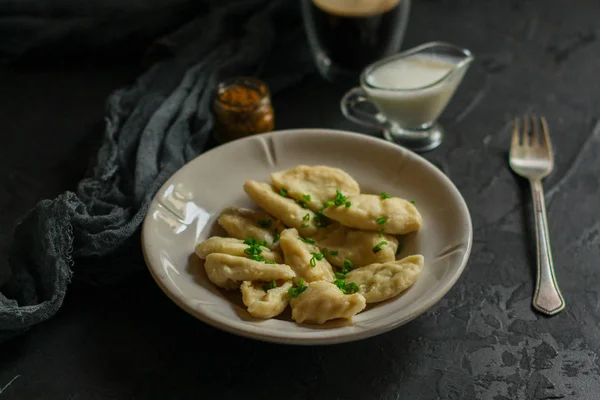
x: 347, y: 35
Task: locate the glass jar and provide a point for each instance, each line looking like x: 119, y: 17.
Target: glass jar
x: 242, y: 107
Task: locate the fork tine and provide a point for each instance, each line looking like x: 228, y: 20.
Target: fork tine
x: 535, y: 134
x: 545, y: 140
x: 525, y: 136
x: 515, y: 136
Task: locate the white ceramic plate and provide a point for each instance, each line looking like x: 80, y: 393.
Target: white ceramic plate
x: 185, y: 210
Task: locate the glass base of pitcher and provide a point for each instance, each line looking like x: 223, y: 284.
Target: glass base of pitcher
x: 420, y: 140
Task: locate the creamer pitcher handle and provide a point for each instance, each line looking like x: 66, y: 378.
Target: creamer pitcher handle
x: 351, y: 109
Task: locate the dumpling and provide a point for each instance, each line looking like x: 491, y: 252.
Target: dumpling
x: 344, y: 243
x: 265, y: 304
x: 319, y: 182
x: 379, y: 282
x: 298, y: 254
x: 396, y: 216
x: 233, y: 247
x: 283, y: 208
x: 242, y: 223
x: 323, y: 301
x: 227, y: 271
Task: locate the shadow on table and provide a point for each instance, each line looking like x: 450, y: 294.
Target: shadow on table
x: 133, y: 340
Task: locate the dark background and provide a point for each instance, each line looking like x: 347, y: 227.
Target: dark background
x: 483, y: 340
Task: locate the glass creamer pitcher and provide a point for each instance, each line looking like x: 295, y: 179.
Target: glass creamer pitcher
x: 405, y: 94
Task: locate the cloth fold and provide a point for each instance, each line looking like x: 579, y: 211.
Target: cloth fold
x: 152, y: 129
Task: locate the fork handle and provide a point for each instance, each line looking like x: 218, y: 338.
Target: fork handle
x: 547, y: 298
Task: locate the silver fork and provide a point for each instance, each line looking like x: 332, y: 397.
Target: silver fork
x: 531, y: 157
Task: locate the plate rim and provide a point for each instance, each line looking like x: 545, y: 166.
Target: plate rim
x: 282, y: 339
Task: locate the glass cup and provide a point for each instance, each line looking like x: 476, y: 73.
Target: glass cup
x: 405, y: 94
x: 345, y: 36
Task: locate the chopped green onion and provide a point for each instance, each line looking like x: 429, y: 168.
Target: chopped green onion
x: 351, y: 288
x: 381, y: 233
x: 306, y: 217
x: 381, y: 220
x: 308, y: 240
x: 304, y: 226
x: 399, y: 249
x: 339, y: 198
x: 298, y: 289
x: 348, y: 266
x: 340, y: 275
x: 348, y: 204
x: 265, y: 223
x: 270, y: 262
x: 377, y: 248
x: 328, y: 203
x: 341, y: 284
x: 254, y: 242
x: 306, y: 197
x: 346, y: 288
x: 334, y: 252
x: 301, y: 203
x: 283, y: 192
x: 325, y: 250
x: 315, y: 257
x: 320, y: 220
x: 384, y: 195
x: 412, y: 202
x: 269, y: 285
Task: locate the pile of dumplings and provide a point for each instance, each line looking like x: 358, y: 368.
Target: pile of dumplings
x: 318, y: 244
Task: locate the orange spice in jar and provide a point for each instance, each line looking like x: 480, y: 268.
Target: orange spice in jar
x: 242, y: 107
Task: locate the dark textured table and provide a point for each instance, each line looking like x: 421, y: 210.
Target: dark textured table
x: 483, y: 340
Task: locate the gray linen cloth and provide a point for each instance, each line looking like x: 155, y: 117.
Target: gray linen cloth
x: 152, y: 128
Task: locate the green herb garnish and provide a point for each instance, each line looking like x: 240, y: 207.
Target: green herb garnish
x: 348, y: 266
x: 348, y: 204
x: 381, y: 233
x: 306, y: 217
x: 301, y: 203
x: 334, y: 252
x: 325, y: 250
x: 270, y: 262
x: 412, y: 202
x: 315, y: 257
x: 384, y: 195
x: 254, y: 242
x: 340, y: 275
x: 308, y: 240
x: 328, y: 203
x: 298, y: 289
x: 269, y: 285
x: 351, y: 288
x: 381, y: 220
x: 275, y: 236
x: 306, y: 197
x: 377, y: 248
x: 254, y: 249
x: 346, y: 288
x: 339, y: 198
x: 320, y: 220
x: 399, y: 249
x: 283, y: 192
